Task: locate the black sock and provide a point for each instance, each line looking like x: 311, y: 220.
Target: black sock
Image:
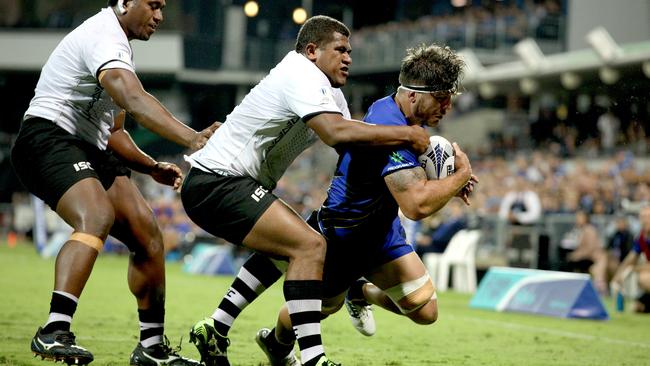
x: 304, y: 301
x: 152, y: 326
x: 275, y: 345
x: 62, y: 308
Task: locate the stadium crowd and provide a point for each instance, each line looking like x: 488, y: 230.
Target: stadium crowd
x: 487, y: 25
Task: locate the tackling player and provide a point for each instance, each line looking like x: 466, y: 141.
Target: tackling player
x: 228, y: 191
x: 360, y: 219
x: 62, y: 156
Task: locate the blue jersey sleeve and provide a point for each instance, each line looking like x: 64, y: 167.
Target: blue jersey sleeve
x: 400, y: 159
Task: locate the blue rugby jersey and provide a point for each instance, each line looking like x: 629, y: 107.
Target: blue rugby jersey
x: 358, y: 200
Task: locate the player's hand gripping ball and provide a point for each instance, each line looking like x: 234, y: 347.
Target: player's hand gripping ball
x: 438, y: 160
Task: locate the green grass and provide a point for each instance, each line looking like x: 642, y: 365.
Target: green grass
x: 106, y: 323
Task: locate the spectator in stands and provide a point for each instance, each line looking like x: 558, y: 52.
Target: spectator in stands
x: 589, y: 255
x: 640, y: 197
x: 640, y: 247
x: 521, y: 205
x: 619, y: 244
x: 608, y: 128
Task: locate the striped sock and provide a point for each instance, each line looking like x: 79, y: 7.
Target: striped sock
x: 255, y: 276
x: 152, y: 326
x: 62, y: 307
x: 304, y: 305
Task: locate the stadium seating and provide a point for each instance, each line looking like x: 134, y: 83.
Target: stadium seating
x: 459, y: 255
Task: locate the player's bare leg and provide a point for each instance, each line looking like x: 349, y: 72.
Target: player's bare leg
x: 136, y: 227
x: 281, y: 232
x: 85, y: 207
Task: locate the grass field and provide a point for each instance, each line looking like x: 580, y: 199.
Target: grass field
x: 106, y: 323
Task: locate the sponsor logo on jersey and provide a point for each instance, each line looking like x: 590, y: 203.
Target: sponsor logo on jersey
x: 326, y: 96
x: 396, y: 157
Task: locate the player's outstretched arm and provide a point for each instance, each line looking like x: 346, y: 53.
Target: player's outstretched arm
x: 337, y: 131
x: 418, y: 197
x: 127, y: 92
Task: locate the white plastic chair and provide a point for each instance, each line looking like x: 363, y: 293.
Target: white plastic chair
x: 460, y: 254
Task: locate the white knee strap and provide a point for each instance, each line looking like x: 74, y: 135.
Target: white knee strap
x: 402, y: 290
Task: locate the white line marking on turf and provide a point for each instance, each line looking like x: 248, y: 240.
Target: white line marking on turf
x: 567, y: 334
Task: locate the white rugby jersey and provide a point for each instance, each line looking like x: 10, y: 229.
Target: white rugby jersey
x: 266, y: 131
x: 68, y: 92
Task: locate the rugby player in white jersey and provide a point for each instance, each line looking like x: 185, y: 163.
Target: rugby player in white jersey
x: 228, y: 191
x: 65, y: 154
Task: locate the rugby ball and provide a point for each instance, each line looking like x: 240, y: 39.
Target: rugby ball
x: 438, y: 160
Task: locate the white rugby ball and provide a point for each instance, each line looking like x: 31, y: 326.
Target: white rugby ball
x: 438, y: 160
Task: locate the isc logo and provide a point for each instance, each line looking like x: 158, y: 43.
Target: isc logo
x: 259, y: 193
x: 82, y: 165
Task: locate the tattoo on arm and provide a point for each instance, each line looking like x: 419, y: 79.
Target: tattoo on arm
x: 400, y: 180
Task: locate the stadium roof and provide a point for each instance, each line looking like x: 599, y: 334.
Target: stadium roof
x: 585, y: 65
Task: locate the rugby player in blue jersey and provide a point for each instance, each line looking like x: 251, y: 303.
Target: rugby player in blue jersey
x: 360, y: 219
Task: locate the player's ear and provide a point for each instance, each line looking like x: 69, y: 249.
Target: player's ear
x: 411, y: 95
x: 127, y: 5
x: 310, y: 51
x: 120, y: 7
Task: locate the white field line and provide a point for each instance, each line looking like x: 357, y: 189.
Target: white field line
x: 529, y: 329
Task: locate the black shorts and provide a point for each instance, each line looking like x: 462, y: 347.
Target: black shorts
x: 48, y: 160
x: 224, y: 206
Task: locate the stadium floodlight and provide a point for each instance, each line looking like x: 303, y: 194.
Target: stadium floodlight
x: 609, y: 75
x: 570, y: 80
x: 251, y: 9
x: 604, y: 45
x: 646, y: 68
x: 299, y: 15
x: 528, y: 86
x: 529, y: 52
x: 487, y: 90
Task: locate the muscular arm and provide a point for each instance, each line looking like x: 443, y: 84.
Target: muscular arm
x: 121, y: 143
x: 337, y: 131
x: 418, y: 197
x: 127, y: 92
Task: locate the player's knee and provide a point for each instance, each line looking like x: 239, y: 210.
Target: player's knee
x: 414, y: 295
x: 148, y: 233
x: 98, y: 223
x: 330, y: 307
x: 314, y: 248
x: 427, y: 314
x: 88, y: 240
